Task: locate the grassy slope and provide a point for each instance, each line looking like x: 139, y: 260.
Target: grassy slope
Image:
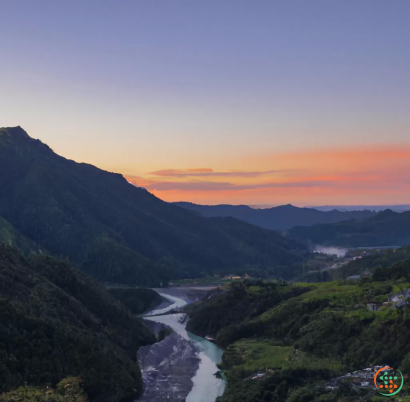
x: 323, y: 331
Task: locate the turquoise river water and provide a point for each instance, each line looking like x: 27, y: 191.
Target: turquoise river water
x: 206, y: 387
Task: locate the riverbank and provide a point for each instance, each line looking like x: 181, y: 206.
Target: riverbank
x: 182, y: 366
x: 167, y: 369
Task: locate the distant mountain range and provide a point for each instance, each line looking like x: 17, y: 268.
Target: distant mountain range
x: 114, y: 230
x: 326, y: 208
x: 387, y: 228
x: 377, y: 208
x: 277, y: 218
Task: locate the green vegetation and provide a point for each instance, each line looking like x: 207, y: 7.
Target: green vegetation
x: 243, y: 302
x: 10, y: 236
x: 68, y: 390
x: 252, y: 355
x: 387, y: 228
x: 290, y: 385
x: 138, y: 300
x: 117, y: 232
x: 163, y: 333
x: 300, y: 336
x: 204, y: 281
x: 58, y: 322
x: 377, y: 259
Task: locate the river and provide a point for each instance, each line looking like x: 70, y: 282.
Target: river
x: 206, y: 387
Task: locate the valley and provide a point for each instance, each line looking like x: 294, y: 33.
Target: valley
x: 182, y: 366
x: 204, y: 201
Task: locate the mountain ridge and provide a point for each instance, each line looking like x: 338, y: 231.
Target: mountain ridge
x: 118, y: 232
x: 387, y: 228
x: 281, y: 218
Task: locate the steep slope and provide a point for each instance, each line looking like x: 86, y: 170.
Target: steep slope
x: 381, y: 259
x: 10, y: 236
x: 116, y: 231
x: 284, y: 342
x: 58, y: 322
x: 387, y: 228
x: 137, y: 300
x: 277, y: 218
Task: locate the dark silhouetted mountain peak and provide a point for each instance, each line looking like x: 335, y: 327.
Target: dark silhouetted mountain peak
x: 14, y: 132
x: 116, y: 231
x: 286, y: 206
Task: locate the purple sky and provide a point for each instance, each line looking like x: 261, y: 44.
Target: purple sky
x: 140, y: 86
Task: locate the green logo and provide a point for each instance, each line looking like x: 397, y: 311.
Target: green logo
x: 388, y: 381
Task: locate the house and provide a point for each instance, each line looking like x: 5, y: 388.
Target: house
x: 231, y: 277
x: 396, y: 297
x: 403, y: 303
x: 373, y: 306
x: 353, y: 278
x: 259, y: 375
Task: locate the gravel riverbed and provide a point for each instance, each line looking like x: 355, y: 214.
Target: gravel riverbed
x: 169, y: 367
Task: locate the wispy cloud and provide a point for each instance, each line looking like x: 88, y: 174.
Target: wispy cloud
x: 322, y: 176
x: 211, y: 173
x: 218, y: 186
x: 199, y: 185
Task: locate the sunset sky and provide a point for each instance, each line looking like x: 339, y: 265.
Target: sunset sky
x: 241, y: 102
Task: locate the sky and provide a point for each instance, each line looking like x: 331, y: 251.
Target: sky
x: 243, y: 102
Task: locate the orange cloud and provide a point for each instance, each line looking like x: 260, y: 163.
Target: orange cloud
x: 212, y: 173
x: 182, y: 172
x: 373, y: 175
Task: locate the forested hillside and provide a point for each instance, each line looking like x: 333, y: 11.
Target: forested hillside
x: 380, y: 259
x: 298, y: 337
x: 280, y: 218
x: 116, y: 231
x: 57, y: 322
x: 10, y: 236
x: 138, y: 300
x: 387, y: 228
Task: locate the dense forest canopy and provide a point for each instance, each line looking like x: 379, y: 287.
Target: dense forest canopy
x: 138, y: 300
x: 387, y: 228
x: 57, y: 322
x: 298, y: 337
x: 367, y: 264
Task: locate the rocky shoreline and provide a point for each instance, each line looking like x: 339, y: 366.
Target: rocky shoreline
x: 168, y: 367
